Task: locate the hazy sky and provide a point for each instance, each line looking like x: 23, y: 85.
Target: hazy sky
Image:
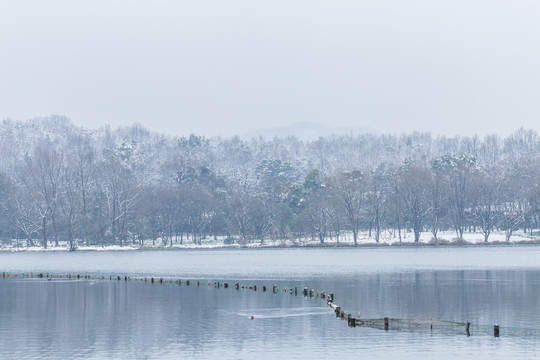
x: 220, y: 67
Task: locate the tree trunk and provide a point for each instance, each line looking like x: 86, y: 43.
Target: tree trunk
x: 55, y: 235
x: 44, y: 230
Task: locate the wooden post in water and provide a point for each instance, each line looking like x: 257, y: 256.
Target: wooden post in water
x: 264, y: 288
x: 467, y: 328
x: 386, y: 323
x: 351, y: 321
x: 496, y: 331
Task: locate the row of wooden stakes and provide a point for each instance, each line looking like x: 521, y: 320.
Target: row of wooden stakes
x: 329, y: 297
x: 217, y: 284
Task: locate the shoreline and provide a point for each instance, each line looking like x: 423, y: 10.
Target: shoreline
x: 113, y: 248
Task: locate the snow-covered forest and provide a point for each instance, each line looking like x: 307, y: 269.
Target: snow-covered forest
x: 60, y: 182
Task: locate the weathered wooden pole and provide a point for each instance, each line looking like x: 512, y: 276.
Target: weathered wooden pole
x: 264, y: 288
x: 386, y: 323
x: 467, y: 328
x: 351, y: 321
x: 496, y: 331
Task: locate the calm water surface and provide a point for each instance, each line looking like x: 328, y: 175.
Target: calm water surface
x: 89, y: 319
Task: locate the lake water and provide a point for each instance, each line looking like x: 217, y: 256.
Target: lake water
x: 102, y: 319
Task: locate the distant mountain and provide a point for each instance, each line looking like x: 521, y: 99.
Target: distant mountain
x: 307, y: 131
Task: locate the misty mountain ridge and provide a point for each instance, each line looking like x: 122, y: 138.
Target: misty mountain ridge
x: 305, y: 130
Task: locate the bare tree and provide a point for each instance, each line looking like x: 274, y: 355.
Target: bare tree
x: 41, y: 177
x: 459, y: 171
x: 19, y: 208
x: 350, y: 188
x: 377, y: 191
x: 437, y: 206
x: 487, y: 187
x: 121, y: 190
x: 83, y: 161
x: 70, y: 205
x: 318, y: 211
x: 414, y: 186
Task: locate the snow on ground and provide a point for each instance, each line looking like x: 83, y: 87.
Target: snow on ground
x: 444, y: 238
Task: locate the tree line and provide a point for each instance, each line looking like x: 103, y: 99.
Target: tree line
x: 60, y: 182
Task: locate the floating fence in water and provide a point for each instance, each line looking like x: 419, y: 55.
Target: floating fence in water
x: 432, y: 326
x: 388, y: 324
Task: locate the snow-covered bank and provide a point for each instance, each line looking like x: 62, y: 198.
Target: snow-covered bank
x: 407, y: 239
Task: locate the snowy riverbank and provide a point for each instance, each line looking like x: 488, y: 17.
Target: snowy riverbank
x: 426, y: 239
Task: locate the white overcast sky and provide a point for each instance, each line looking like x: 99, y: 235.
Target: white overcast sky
x: 219, y: 67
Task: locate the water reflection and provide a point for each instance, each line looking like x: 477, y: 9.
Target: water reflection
x: 132, y: 320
